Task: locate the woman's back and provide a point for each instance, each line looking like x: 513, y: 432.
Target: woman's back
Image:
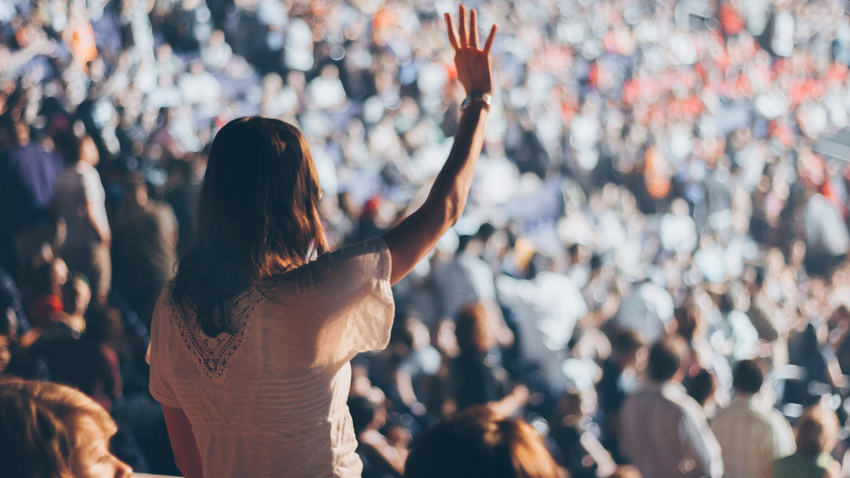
x: 269, y: 400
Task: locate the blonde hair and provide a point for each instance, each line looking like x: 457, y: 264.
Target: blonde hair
x: 42, y: 424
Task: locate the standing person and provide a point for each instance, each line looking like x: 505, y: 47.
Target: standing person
x: 145, y: 251
x: 619, y: 377
x: 477, y: 374
x: 751, y: 433
x: 81, y: 204
x: 816, y: 434
x: 547, y: 306
x: 663, y: 431
x: 250, y: 344
x: 27, y: 174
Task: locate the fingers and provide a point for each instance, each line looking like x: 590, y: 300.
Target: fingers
x: 473, y: 29
x: 461, y: 26
x: 489, y: 43
x: 460, y: 39
x: 450, y: 28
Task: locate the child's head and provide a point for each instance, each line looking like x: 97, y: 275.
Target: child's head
x: 53, y: 431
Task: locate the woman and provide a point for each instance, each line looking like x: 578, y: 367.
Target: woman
x: 53, y: 431
x: 816, y: 434
x: 250, y: 345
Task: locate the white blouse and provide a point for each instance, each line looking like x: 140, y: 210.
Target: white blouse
x: 270, y: 400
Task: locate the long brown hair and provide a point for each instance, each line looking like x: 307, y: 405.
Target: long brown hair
x: 257, y: 216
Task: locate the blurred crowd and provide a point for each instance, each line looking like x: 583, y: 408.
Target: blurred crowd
x: 652, y: 169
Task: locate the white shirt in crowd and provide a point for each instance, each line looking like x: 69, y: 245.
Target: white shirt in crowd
x: 665, y: 434
x: 752, y: 435
x: 546, y: 309
x: 76, y: 187
x: 270, y: 399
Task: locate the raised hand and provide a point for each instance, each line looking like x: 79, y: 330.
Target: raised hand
x: 472, y: 63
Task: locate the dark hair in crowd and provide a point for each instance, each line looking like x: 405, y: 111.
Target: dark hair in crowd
x: 665, y: 357
x: 816, y: 431
x: 362, y: 412
x: 257, y: 217
x: 627, y: 341
x: 749, y: 376
x: 479, y: 442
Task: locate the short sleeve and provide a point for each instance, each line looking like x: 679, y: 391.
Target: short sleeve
x: 158, y: 358
x: 359, y: 300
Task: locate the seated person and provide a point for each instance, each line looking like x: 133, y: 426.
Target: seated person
x: 53, y: 431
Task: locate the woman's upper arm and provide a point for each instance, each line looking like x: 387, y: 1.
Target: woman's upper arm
x: 410, y: 240
x: 186, y: 452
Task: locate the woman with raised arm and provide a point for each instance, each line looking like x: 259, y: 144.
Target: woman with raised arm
x: 251, y: 342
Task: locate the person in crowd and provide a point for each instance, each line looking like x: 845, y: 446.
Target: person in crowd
x: 477, y: 374
x: 81, y: 204
x: 815, y: 434
x: 49, y: 430
x: 547, y: 306
x: 46, y: 304
x: 751, y: 433
x: 663, y: 431
x: 145, y: 248
x: 827, y: 237
x: 647, y: 309
x: 74, y: 350
x: 28, y: 171
x: 416, y: 362
x: 69, y: 325
x: 382, y: 455
x: 259, y: 317
x: 479, y: 442
x: 575, y: 437
x: 620, y: 373
x: 464, y: 279
x: 768, y: 318
x: 809, y: 350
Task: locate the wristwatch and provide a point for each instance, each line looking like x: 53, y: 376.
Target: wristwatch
x: 476, y: 97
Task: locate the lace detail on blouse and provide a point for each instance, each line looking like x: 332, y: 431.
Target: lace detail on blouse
x: 213, y: 355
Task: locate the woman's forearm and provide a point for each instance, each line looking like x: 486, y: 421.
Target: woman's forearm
x: 413, y: 237
x: 451, y: 187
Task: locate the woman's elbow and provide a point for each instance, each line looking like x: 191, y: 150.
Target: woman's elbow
x: 188, y: 466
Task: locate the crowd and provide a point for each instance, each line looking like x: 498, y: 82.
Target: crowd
x: 659, y: 200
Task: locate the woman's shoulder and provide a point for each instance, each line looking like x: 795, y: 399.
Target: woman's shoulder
x: 360, y: 251
x: 346, y: 263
